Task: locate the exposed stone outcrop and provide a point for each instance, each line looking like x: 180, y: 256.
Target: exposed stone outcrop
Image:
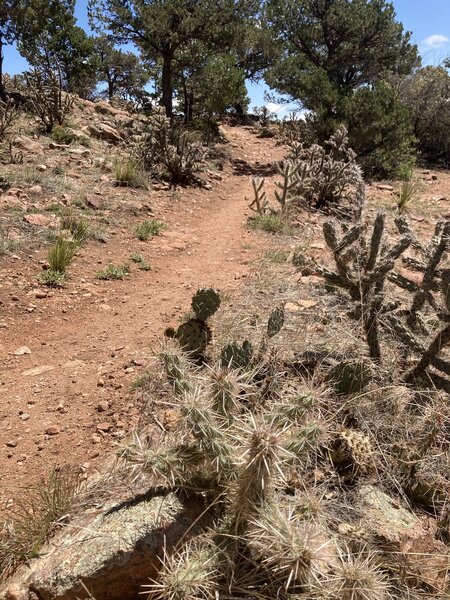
x: 113, y: 552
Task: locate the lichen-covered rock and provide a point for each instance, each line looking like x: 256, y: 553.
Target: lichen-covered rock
x: 412, y: 540
x: 113, y: 552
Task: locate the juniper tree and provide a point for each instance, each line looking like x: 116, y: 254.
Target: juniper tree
x: 162, y: 29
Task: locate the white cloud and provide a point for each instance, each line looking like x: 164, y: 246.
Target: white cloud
x: 436, y: 41
x: 275, y: 108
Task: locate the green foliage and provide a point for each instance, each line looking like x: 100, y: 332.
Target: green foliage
x: 334, y: 58
x: 63, y: 135
x: 113, y: 272
x: 139, y: 259
x: 51, y: 278
x: 270, y: 223
x: 350, y: 377
x: 236, y: 356
x: 144, y: 231
x: 123, y: 72
x: 380, y: 131
x: 61, y: 253
x: 405, y: 196
x: 166, y: 32
x: 49, y: 39
x: 426, y: 94
x: 128, y: 172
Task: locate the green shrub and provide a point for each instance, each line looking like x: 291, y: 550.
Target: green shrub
x: 270, y: 223
x: 51, y: 278
x: 61, y: 254
x: 113, y: 272
x: 148, y: 229
x: 139, y: 260
x: 63, y: 135
x: 128, y: 173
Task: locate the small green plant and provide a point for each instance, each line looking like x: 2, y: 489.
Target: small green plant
x: 148, y: 229
x: 61, y: 253
x: 270, y: 223
x: 7, y: 244
x: 77, y: 227
x: 139, y: 260
x: 128, y: 173
x: 112, y: 272
x: 405, y: 196
x: 51, y: 278
x: 63, y: 135
x: 277, y: 256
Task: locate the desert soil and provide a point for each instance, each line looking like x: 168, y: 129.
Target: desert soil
x: 68, y: 400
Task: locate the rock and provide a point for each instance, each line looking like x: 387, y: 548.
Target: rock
x: 38, y: 370
x: 94, y: 201
x: 41, y: 220
x: 103, y: 131
x: 104, y: 427
x: 386, y: 187
x: 113, y: 550
x: 103, y: 406
x: 11, y: 444
x: 53, y: 430
x: 22, y: 350
x: 172, y: 419
x: 403, y: 532
x: 25, y: 416
x: 79, y: 152
x: 35, y: 189
x: 41, y: 168
x: 26, y: 143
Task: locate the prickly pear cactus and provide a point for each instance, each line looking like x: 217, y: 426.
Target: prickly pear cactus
x: 276, y: 321
x: 350, y: 377
x: 193, y: 336
x: 205, y: 303
x: 236, y: 356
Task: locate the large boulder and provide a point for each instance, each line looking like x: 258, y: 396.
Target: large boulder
x: 103, y: 131
x: 112, y: 552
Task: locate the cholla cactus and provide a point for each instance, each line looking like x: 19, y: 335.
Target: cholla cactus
x: 47, y: 98
x: 8, y: 116
x: 324, y: 179
x: 362, y: 266
x: 260, y: 203
x: 166, y: 147
x: 316, y: 176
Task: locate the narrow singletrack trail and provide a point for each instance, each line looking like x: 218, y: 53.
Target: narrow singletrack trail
x: 68, y: 401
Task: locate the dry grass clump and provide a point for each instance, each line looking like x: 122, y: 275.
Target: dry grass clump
x: 35, y: 515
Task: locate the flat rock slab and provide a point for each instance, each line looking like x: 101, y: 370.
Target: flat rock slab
x: 111, y: 552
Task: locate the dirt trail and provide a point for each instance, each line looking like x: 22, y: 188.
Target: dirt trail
x: 68, y: 400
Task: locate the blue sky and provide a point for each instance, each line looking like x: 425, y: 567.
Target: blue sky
x: 429, y: 21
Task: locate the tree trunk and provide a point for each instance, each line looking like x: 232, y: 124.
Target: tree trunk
x: 2, y: 88
x: 110, y: 88
x: 167, y: 84
x: 191, y: 107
